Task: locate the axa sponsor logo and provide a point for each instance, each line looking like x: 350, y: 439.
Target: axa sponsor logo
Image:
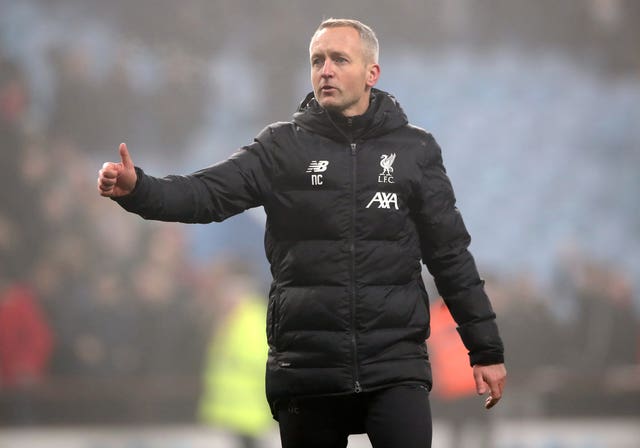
x: 384, y: 200
x: 317, y: 166
x: 386, y: 162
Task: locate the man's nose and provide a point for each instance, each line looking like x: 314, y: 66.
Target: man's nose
x: 327, y: 69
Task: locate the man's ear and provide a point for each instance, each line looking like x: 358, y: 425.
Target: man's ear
x: 373, y: 74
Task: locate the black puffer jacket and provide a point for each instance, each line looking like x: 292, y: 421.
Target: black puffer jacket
x: 352, y: 205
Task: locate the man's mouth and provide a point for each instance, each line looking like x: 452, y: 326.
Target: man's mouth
x: 327, y: 89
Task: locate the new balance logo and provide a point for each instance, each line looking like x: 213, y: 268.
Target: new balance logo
x: 384, y: 200
x: 318, y: 166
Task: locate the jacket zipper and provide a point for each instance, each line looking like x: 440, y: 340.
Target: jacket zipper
x: 354, y: 342
x: 352, y: 247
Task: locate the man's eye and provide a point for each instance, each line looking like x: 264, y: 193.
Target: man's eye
x: 316, y: 62
x: 340, y: 59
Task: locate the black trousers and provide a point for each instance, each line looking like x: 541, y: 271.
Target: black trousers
x: 396, y: 417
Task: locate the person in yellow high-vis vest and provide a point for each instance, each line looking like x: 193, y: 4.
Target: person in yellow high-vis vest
x: 233, y: 396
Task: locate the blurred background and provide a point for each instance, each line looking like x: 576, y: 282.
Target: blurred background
x: 116, y: 332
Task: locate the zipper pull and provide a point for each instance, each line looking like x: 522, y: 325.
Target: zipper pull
x: 358, y: 389
x: 353, y: 149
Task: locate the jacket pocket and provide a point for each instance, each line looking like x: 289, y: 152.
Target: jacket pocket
x: 272, y: 318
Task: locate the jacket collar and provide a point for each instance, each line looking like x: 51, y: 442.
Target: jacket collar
x: 383, y: 116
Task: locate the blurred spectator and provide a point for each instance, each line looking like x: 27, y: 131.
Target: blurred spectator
x: 233, y: 397
x: 166, y: 336
x: 16, y: 224
x: 98, y: 333
x: 77, y: 101
x: 454, y: 389
x: 605, y: 329
x: 521, y: 305
x: 118, y: 104
x: 452, y: 374
x: 177, y: 108
x: 25, y: 346
x: 602, y: 326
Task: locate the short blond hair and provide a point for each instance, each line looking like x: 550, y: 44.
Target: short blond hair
x: 368, y: 37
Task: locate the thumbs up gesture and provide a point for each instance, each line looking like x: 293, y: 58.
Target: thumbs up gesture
x: 117, y: 179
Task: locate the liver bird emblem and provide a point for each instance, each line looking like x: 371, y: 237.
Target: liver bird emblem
x: 386, y: 163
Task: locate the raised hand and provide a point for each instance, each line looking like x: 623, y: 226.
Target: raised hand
x: 117, y: 179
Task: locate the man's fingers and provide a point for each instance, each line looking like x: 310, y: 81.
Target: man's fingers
x: 107, y: 178
x: 495, y: 394
x: 103, y: 188
x: 496, y: 390
x: 109, y: 170
x: 106, y: 183
x: 481, y: 387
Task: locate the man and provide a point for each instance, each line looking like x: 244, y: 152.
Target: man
x: 355, y: 197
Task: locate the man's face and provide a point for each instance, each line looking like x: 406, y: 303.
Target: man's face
x: 340, y: 74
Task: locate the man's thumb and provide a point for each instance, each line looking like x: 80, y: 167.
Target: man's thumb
x: 124, y: 156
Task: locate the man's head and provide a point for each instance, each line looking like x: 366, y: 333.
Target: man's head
x: 344, y: 65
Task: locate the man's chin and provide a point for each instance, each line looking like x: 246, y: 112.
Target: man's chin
x: 330, y: 105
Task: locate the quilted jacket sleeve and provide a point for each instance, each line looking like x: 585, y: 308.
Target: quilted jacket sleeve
x: 444, y: 245
x: 212, y: 194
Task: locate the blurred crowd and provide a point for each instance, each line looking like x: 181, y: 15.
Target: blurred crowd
x: 105, y: 317
x: 85, y: 290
